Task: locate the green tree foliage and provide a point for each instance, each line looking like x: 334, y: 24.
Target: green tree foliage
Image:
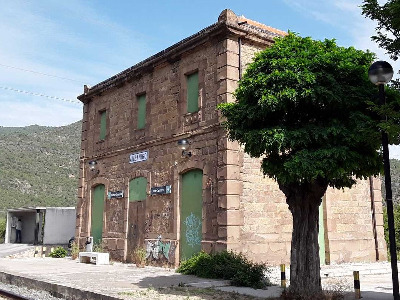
x: 388, y: 30
x: 39, y: 166
x: 302, y: 106
x: 2, y: 229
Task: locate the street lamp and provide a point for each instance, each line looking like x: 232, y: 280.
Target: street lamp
x: 184, y: 145
x: 380, y: 73
x: 93, y: 166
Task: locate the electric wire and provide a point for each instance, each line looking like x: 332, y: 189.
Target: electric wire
x: 40, y: 95
x: 40, y: 73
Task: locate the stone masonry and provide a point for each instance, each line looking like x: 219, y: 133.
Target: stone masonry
x: 242, y: 210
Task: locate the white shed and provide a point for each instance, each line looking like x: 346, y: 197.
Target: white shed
x: 41, y: 225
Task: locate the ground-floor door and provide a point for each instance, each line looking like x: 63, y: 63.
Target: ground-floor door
x: 136, y: 215
x: 191, y: 204
x: 97, y: 213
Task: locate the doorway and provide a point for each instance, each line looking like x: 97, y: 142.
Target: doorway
x: 97, y: 213
x: 136, y: 214
x: 191, y: 206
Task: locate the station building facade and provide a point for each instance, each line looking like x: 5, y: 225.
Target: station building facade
x: 139, y: 189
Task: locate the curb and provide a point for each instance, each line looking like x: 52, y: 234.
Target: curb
x: 55, y: 290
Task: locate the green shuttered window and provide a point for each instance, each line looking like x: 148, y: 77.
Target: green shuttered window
x: 192, y: 82
x: 103, y: 124
x: 141, y: 117
x: 137, y: 189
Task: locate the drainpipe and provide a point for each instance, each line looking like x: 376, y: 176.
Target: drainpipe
x: 240, y: 58
x: 371, y: 186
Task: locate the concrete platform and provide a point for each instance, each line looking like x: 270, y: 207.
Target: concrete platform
x: 73, y: 280
x: 10, y: 249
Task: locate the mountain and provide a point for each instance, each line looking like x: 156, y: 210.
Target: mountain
x: 39, y: 165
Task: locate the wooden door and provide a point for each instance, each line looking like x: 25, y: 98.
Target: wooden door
x: 136, y: 214
x: 191, y: 206
x: 97, y: 213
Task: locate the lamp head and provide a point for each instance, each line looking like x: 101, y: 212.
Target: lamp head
x: 380, y: 72
x: 93, y: 165
x: 183, y: 144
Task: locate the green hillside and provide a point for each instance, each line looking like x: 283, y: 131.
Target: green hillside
x: 39, y: 165
x: 395, y: 175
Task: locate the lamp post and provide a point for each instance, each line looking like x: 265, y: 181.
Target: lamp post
x: 380, y: 73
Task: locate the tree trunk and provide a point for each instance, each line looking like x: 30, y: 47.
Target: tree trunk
x: 304, y: 200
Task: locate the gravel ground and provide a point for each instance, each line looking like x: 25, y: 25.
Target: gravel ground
x: 23, y: 291
x: 183, y: 293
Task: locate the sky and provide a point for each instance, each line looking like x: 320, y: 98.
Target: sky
x: 49, y: 49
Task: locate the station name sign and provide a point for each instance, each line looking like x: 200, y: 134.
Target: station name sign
x: 138, y: 157
x: 160, y: 190
x: 117, y: 194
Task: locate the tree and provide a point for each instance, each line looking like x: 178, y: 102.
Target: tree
x: 388, y: 29
x: 302, y: 105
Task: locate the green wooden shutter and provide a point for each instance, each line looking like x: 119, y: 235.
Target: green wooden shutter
x: 97, y: 213
x: 191, y: 213
x: 137, y: 189
x: 192, y: 81
x: 103, y: 124
x: 141, y: 116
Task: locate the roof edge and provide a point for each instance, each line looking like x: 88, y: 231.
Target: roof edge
x: 227, y: 20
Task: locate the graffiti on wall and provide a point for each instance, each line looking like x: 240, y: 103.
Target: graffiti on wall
x: 157, y: 249
x: 193, y: 229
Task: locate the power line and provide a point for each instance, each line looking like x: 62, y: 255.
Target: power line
x: 40, y: 73
x: 40, y: 95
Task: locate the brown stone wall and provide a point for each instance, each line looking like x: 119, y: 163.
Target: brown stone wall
x: 350, y: 224
x: 267, y: 231
x: 166, y: 123
x: 349, y: 233
x: 242, y: 210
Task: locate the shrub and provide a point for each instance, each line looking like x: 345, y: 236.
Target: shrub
x: 226, y: 265
x: 98, y: 246
x: 139, y: 256
x: 2, y: 230
x: 74, y: 250
x: 59, y: 252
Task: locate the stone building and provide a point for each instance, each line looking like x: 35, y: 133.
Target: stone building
x: 138, y: 188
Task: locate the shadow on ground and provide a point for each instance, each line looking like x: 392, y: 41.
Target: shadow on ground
x: 185, y: 286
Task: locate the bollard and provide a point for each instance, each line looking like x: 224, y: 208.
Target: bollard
x: 357, y: 292
x: 43, y: 252
x: 283, y: 276
x: 36, y: 252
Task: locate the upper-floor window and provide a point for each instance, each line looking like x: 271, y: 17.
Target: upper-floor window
x: 103, y: 124
x: 192, y: 82
x: 141, y: 112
